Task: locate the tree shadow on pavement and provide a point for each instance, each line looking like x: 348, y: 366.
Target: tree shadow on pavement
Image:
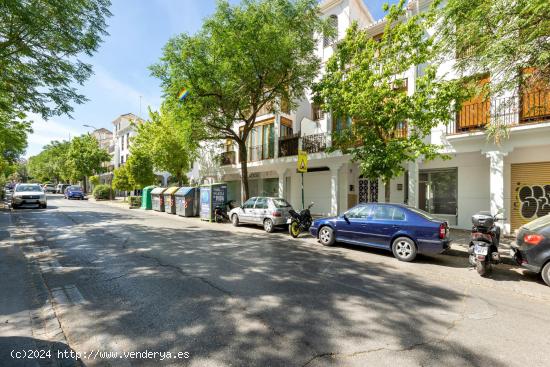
x: 242, y: 299
x: 17, y: 351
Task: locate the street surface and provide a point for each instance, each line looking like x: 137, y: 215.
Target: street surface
x: 128, y: 280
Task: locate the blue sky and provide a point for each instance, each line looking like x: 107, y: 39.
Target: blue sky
x: 137, y: 30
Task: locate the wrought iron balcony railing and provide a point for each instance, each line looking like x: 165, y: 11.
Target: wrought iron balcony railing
x: 288, y: 145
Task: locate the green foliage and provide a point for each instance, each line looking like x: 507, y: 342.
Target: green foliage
x: 362, y: 80
x: 499, y: 36
x: 140, y: 167
x: 102, y: 192
x: 245, y: 57
x: 13, y: 138
x: 122, y: 180
x: 85, y: 157
x: 135, y: 201
x: 168, y: 144
x: 51, y: 163
x: 40, y: 42
x: 94, y: 180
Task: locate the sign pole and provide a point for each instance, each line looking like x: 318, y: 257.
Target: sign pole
x: 303, y: 205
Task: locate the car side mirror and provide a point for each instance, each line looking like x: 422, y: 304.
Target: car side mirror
x: 345, y: 217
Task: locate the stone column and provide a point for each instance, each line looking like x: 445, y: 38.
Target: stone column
x: 413, y: 184
x: 496, y: 181
x: 334, y: 189
x: 277, y: 132
x: 281, y: 173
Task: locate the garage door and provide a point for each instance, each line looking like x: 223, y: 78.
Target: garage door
x: 530, y: 192
x: 317, y: 190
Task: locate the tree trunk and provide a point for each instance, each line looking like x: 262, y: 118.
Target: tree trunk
x: 244, y: 171
x: 84, y: 185
x: 387, y: 187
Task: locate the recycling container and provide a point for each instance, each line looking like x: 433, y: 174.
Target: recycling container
x: 157, y: 199
x: 211, y: 196
x: 146, y: 198
x: 187, y: 201
x: 170, y: 200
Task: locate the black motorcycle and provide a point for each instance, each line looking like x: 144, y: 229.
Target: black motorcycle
x: 220, y: 211
x: 300, y: 222
x: 484, y: 242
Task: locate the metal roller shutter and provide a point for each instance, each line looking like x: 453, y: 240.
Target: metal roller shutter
x: 530, y: 192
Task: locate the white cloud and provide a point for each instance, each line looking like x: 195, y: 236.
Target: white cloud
x: 45, y: 132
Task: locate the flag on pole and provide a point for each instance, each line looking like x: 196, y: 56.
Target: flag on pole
x: 183, y: 94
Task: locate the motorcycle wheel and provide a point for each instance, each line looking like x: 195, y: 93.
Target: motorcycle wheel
x: 483, y: 268
x: 294, y: 229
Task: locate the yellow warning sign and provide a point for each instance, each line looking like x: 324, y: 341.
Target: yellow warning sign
x: 302, y: 161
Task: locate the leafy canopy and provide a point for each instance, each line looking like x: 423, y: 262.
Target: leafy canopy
x: 497, y: 36
x: 51, y: 163
x: 122, y: 180
x: 85, y: 157
x: 365, y: 80
x: 245, y: 57
x: 140, y: 168
x: 40, y: 42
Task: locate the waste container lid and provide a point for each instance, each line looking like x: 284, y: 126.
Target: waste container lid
x: 149, y: 187
x: 158, y: 190
x: 171, y: 190
x: 184, y: 190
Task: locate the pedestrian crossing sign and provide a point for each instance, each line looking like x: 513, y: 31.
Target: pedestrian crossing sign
x: 302, y: 161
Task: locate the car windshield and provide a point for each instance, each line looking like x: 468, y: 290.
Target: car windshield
x: 74, y: 188
x: 27, y: 188
x: 281, y: 203
x: 422, y: 213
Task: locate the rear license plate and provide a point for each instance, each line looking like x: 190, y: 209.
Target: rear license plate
x: 481, y: 250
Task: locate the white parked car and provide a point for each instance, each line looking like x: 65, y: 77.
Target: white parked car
x: 264, y: 211
x: 28, y: 194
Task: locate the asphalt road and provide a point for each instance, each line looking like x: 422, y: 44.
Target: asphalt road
x: 128, y: 280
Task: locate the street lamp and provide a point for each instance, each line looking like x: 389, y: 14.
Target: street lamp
x: 91, y: 126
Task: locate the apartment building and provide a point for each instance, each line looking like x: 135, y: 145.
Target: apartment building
x: 481, y: 175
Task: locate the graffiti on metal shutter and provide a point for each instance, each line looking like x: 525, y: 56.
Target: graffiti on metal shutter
x: 535, y: 200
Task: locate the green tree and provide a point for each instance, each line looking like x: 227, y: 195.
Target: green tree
x: 498, y: 36
x: 51, y: 163
x: 140, y: 168
x: 244, y: 58
x: 13, y: 138
x: 122, y: 180
x: 383, y: 127
x: 40, y: 45
x: 85, y: 158
x: 168, y: 143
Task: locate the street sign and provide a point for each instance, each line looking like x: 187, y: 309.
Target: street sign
x: 302, y: 161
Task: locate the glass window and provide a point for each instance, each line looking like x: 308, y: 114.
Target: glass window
x: 249, y: 204
x: 261, y: 203
x: 362, y: 211
x: 281, y: 203
x: 28, y: 188
x: 438, y: 191
x: 383, y: 212
x: 398, y: 214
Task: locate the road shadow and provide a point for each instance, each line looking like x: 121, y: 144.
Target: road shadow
x: 241, y: 299
x: 17, y: 351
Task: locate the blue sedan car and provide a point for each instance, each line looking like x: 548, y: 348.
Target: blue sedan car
x: 74, y: 192
x: 404, y: 230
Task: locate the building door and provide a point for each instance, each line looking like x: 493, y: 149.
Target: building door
x: 530, y: 192
x: 368, y: 190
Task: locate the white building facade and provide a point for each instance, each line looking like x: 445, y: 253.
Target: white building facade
x: 513, y: 176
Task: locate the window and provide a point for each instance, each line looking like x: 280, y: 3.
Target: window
x: 285, y: 131
x: 333, y: 22
x: 249, y: 204
x: 383, y: 212
x: 438, y: 191
x: 261, y: 203
x: 316, y: 112
x: 281, y: 203
x: 341, y: 123
x: 475, y: 112
x: 128, y: 141
x: 363, y: 211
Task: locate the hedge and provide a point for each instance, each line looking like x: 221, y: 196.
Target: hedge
x: 135, y: 201
x: 102, y: 192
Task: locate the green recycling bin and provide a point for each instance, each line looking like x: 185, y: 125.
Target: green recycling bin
x: 146, y: 202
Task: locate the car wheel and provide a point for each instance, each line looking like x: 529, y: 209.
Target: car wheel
x: 326, y: 236
x: 546, y: 273
x: 268, y: 225
x: 14, y: 206
x: 404, y: 249
x: 235, y: 220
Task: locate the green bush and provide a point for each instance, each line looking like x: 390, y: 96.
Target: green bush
x: 102, y: 192
x: 135, y: 201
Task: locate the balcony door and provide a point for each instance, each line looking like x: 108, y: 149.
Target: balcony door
x: 475, y: 113
x: 535, y: 98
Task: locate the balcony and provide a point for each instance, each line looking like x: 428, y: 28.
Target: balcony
x: 288, y: 145
x: 529, y: 108
x: 314, y: 143
x: 227, y: 158
x: 260, y: 152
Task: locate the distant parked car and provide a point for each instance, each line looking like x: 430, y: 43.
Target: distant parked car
x: 49, y: 188
x: 404, y: 230
x: 74, y: 192
x: 28, y: 194
x: 268, y: 212
x: 532, y: 248
x: 60, y: 188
